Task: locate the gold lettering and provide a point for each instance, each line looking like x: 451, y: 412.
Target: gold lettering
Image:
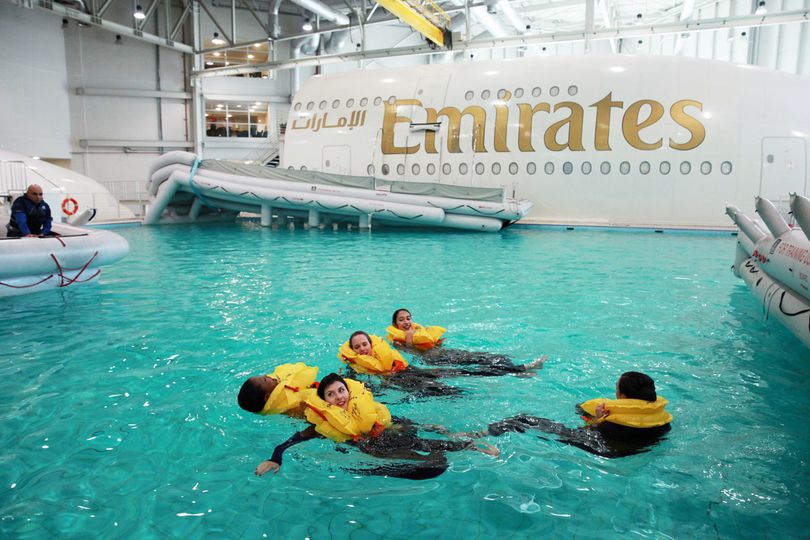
x: 696, y: 129
x: 479, y: 117
x: 631, y: 127
x: 601, y: 138
x: 574, y: 123
x: 526, y: 121
x: 502, y: 121
x: 390, y: 120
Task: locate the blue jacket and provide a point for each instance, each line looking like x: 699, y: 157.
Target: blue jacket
x: 28, y: 217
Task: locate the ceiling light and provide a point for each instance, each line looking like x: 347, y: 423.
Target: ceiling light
x: 251, y: 57
x: 209, y: 63
x: 217, y: 53
x: 140, y: 15
x: 307, y: 26
x: 257, y: 45
x: 761, y: 9
x: 238, y: 106
x: 216, y: 40
x: 258, y: 103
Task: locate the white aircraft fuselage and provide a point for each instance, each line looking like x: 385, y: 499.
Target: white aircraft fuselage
x: 598, y: 140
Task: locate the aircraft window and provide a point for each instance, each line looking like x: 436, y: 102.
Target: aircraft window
x: 297, y: 106
x: 415, y: 168
x: 644, y: 167
x: 686, y: 167
x: 518, y: 92
x: 392, y: 99
x: 568, y: 167
x: 430, y: 169
x: 303, y: 167
x: 400, y: 169
x: 469, y: 95
x: 554, y: 90
x: 485, y: 94
x: 624, y: 167
x: 531, y: 168
x: 462, y: 168
x: 370, y: 170
x: 572, y: 90
x: 502, y: 93
x: 350, y: 102
x: 386, y: 169
x: 664, y: 167
x: 326, y: 163
x: 706, y: 167
x: 310, y: 106
x: 322, y: 105
x: 377, y: 100
x: 513, y: 168
x: 536, y: 91
x: 769, y: 158
x: 364, y: 102
x: 586, y: 167
x: 335, y: 104
x: 725, y: 167
x: 446, y: 169
x: 605, y: 167
x: 479, y: 168
x: 496, y: 168
x: 549, y: 168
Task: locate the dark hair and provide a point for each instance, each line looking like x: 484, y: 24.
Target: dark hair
x: 251, y: 396
x: 326, y: 381
x: 394, y: 316
x: 358, y: 333
x: 635, y: 385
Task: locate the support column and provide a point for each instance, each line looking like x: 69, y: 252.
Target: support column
x: 314, y: 218
x: 365, y: 221
x: 196, y: 207
x: 267, y: 215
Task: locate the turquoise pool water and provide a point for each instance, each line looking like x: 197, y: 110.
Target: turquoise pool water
x: 118, y: 416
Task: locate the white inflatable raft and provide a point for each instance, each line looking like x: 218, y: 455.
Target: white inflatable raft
x: 32, y: 264
x: 775, y: 262
x: 184, y: 188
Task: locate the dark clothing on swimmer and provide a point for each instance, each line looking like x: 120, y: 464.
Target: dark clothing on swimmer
x: 398, y: 442
x: 418, y: 383
x: 605, y: 439
x: 28, y: 217
x: 487, y: 364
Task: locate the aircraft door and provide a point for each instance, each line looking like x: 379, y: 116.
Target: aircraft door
x: 784, y: 166
x: 432, y: 93
x: 336, y: 159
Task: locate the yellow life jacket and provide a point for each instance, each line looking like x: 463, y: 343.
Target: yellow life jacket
x: 383, y: 359
x: 353, y: 423
x: 635, y: 413
x: 424, y: 337
x: 295, y: 384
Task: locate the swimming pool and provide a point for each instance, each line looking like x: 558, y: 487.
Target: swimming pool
x: 119, y: 415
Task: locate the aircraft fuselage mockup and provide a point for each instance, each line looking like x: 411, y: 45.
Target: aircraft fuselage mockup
x: 600, y: 140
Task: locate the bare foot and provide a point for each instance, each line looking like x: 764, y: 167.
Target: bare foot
x: 488, y: 449
x: 533, y: 367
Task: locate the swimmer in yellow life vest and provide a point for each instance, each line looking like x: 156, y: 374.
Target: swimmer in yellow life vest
x: 627, y: 425
x: 344, y: 411
x: 282, y: 392
x: 404, y: 332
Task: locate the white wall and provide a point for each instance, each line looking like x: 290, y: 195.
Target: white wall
x: 33, y: 85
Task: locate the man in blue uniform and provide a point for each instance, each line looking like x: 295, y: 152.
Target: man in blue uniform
x: 30, y: 215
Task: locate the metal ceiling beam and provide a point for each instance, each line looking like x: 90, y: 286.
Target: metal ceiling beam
x: 113, y: 27
x: 770, y: 19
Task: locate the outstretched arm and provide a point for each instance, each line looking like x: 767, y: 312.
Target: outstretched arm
x: 274, y: 463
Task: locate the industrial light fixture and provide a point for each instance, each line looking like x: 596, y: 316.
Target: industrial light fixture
x: 139, y: 14
x: 307, y: 26
x: 761, y: 9
x: 216, y: 40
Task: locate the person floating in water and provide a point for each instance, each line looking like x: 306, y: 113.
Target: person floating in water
x: 371, y: 355
x: 427, y: 340
x: 627, y: 425
x: 282, y: 392
x: 344, y: 411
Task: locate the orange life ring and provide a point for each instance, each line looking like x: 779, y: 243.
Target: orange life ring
x: 70, y: 206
